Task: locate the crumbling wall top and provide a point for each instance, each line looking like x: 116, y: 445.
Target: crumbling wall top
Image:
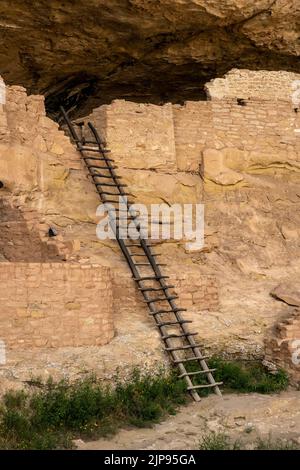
x: 255, y: 84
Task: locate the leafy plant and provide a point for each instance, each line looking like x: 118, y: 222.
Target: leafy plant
x: 218, y: 441
x: 50, y: 415
x: 244, y: 377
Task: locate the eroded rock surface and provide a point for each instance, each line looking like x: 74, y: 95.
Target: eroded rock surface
x: 85, y: 53
x: 288, y: 293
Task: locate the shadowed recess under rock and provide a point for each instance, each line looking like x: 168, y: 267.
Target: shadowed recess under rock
x: 87, y: 53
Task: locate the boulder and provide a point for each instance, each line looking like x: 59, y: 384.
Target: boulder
x: 288, y: 293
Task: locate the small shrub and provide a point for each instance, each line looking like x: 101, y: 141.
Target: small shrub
x: 274, y: 444
x: 217, y: 441
x: 244, y: 377
x: 50, y: 417
x: 54, y: 413
x: 221, y: 441
x: 146, y: 399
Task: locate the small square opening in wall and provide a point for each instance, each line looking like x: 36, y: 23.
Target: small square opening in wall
x: 241, y: 102
x: 52, y: 232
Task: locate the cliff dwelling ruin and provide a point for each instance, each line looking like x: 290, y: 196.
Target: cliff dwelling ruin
x: 241, y: 161
x: 197, y: 102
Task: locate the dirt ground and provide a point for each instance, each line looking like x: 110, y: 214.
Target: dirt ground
x: 244, y: 417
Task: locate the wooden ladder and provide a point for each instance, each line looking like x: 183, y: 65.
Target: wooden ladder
x: 141, y: 259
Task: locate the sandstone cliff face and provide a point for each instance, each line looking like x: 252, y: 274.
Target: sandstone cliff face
x: 87, y: 52
x: 241, y: 161
x: 38, y: 163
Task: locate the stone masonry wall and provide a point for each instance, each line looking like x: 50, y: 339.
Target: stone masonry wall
x: 55, y: 305
x: 38, y: 160
x: 283, y: 346
x: 246, y: 138
x: 23, y: 237
x: 218, y: 139
x: 222, y: 141
x: 260, y: 84
x: 193, y: 132
x: 146, y: 130
x: 195, y: 290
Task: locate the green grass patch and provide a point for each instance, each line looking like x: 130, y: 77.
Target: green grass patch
x: 221, y: 441
x: 50, y: 415
x: 274, y: 444
x: 218, y: 441
x: 243, y: 377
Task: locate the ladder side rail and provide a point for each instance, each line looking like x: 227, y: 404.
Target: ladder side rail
x: 70, y: 126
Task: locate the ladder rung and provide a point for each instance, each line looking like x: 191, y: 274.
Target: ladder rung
x: 179, y: 348
x: 194, y: 387
x: 113, y: 185
x: 111, y: 194
x: 150, y: 278
x: 143, y: 254
x: 99, y: 159
x: 89, y: 149
x: 127, y: 217
x: 182, y: 335
x: 161, y: 299
x: 116, y: 209
x: 155, y: 289
x: 169, y: 323
x: 92, y: 142
x: 189, y: 359
x: 103, y: 176
x: 107, y: 167
x: 186, y: 374
x: 107, y: 193
x: 148, y: 264
x: 175, y: 310
x: 86, y: 145
x: 94, y: 149
x: 111, y: 200
x: 122, y: 225
x: 96, y: 175
x: 104, y: 167
x: 142, y: 264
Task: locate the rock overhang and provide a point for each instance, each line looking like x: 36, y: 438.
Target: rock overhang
x: 87, y: 53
